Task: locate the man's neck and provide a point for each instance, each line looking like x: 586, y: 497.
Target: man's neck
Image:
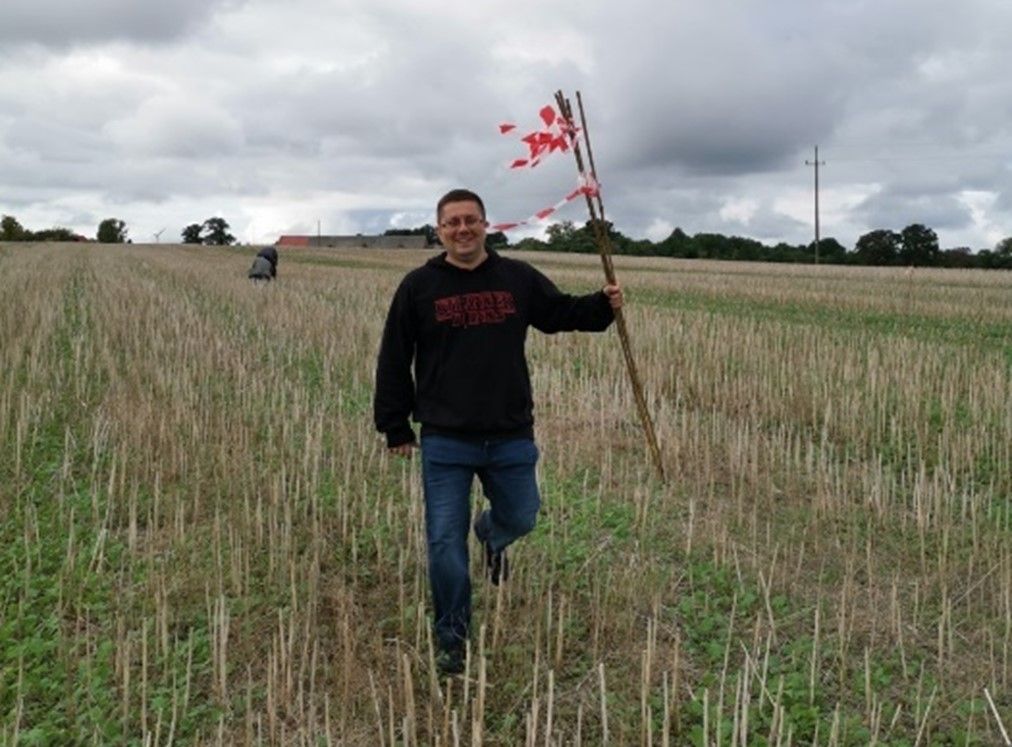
x: 469, y: 265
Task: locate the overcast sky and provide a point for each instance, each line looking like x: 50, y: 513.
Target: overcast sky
x: 356, y: 115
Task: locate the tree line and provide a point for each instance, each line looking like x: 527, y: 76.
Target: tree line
x: 916, y: 245
x: 110, y: 231
x: 212, y: 232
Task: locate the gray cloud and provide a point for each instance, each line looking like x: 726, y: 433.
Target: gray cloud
x: 894, y: 211
x: 360, y: 114
x: 61, y: 23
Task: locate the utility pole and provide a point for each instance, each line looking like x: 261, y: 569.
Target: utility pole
x: 816, y: 163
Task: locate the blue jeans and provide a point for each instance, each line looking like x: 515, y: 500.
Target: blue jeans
x: 506, y: 472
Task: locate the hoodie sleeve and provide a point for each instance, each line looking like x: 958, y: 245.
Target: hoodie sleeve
x: 394, y: 399
x: 555, y: 311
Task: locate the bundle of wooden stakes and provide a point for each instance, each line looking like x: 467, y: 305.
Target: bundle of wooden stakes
x: 595, y: 204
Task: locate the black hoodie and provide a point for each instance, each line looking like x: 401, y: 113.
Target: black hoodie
x: 465, y: 332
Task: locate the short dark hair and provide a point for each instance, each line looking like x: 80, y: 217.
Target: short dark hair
x: 458, y: 195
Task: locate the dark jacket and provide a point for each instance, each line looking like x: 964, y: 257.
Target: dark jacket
x: 465, y: 331
x: 265, y: 266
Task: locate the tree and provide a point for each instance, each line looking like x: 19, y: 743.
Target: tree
x: 744, y: 250
x: 711, y: 245
x: 217, y: 232
x: 497, y: 239
x: 56, y: 233
x: 530, y: 245
x: 960, y: 256
x: 191, y: 234
x: 640, y: 248
x: 619, y: 242
x: 784, y: 252
x: 111, y: 231
x: 1002, y: 257
x: 565, y: 237
x: 428, y: 231
x: 831, y: 251
x: 678, y: 244
x: 879, y: 247
x: 561, y: 236
x: 11, y: 230
x: 919, y: 246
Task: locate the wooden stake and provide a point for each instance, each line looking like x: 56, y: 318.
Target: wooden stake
x: 604, y: 248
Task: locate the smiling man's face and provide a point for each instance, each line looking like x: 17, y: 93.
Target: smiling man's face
x: 462, y: 230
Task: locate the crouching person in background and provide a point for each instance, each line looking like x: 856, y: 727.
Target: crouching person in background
x: 265, y: 266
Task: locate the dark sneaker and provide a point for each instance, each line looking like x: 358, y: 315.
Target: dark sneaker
x: 497, y: 567
x: 450, y: 661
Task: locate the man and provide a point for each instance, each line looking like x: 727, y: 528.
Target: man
x: 462, y: 320
x: 265, y: 266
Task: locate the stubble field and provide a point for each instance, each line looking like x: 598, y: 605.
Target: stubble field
x: 203, y: 541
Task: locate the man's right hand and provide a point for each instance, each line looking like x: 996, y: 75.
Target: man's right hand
x: 403, y: 450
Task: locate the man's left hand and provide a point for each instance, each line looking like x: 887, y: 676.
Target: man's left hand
x: 614, y: 294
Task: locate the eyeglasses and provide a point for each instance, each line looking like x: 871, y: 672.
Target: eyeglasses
x: 469, y: 221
